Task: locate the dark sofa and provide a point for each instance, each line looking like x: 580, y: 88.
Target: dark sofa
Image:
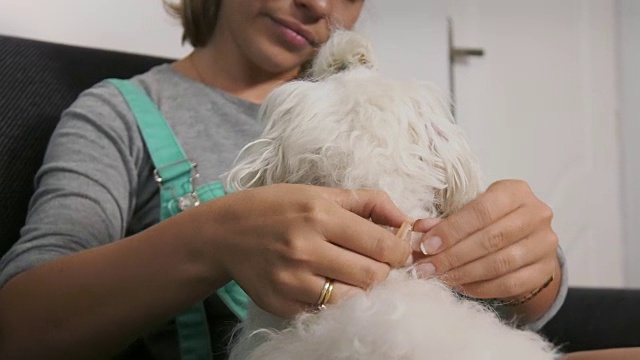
x: 38, y: 80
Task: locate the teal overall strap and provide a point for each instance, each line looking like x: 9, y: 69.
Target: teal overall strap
x: 173, y: 170
x: 175, y: 174
x: 170, y: 161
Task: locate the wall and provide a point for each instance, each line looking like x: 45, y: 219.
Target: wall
x: 541, y: 106
x: 410, y: 37
x: 138, y: 26
x: 629, y: 111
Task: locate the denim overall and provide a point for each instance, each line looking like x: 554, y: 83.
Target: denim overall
x: 177, y: 178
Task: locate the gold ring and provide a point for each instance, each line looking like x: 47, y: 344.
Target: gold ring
x: 325, y: 295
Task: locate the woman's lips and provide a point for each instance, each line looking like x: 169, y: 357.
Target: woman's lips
x: 294, y: 33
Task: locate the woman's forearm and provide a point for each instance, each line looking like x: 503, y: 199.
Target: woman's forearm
x: 93, y: 303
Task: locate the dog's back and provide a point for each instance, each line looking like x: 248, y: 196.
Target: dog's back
x: 402, y: 318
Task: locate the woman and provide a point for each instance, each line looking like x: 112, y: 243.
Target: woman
x: 95, y: 269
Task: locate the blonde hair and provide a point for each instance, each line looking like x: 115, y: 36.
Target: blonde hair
x: 198, y: 18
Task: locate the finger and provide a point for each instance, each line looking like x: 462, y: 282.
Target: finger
x: 342, y: 292
x: 514, y: 284
x: 497, y: 236
x: 478, y: 214
x: 353, y: 232
x: 422, y: 226
x: 284, y: 307
x: 372, y: 204
x: 285, y: 294
x: 338, y: 291
x: 308, y: 289
x: 525, y: 252
x: 347, y: 266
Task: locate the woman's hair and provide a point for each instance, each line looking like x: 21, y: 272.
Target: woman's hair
x: 198, y: 18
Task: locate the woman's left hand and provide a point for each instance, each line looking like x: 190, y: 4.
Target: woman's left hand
x: 500, y: 245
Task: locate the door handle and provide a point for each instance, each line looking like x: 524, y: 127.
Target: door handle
x: 454, y: 54
x: 465, y: 52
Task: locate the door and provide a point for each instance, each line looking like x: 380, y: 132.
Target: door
x: 540, y: 105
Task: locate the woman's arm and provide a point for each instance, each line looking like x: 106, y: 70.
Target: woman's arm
x: 71, y: 276
x: 278, y: 242
x: 93, y: 303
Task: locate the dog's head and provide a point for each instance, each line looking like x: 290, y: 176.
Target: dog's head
x: 351, y: 127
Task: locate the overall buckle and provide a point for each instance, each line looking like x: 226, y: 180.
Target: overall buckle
x: 189, y: 200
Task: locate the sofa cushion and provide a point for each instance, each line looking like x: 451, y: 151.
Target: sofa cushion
x: 38, y: 80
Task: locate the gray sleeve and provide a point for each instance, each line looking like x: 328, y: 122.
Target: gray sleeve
x: 86, y: 185
x: 562, y: 295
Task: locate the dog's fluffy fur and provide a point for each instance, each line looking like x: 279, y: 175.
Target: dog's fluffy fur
x: 350, y: 127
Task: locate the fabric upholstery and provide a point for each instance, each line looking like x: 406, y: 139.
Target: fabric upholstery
x: 596, y: 318
x: 38, y: 80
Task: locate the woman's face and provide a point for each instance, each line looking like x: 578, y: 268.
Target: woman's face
x: 279, y: 35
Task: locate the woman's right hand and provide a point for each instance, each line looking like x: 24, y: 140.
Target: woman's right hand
x: 281, y: 242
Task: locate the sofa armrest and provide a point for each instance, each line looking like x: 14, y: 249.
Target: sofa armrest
x: 596, y: 318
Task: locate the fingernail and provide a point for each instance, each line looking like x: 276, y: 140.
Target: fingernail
x: 431, y: 245
x: 425, y: 270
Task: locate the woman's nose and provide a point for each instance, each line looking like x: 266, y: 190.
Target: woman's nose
x: 316, y: 8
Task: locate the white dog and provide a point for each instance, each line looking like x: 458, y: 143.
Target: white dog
x: 350, y: 127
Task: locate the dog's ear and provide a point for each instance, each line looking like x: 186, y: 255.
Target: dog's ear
x: 262, y: 162
x: 251, y: 166
x: 453, y: 158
